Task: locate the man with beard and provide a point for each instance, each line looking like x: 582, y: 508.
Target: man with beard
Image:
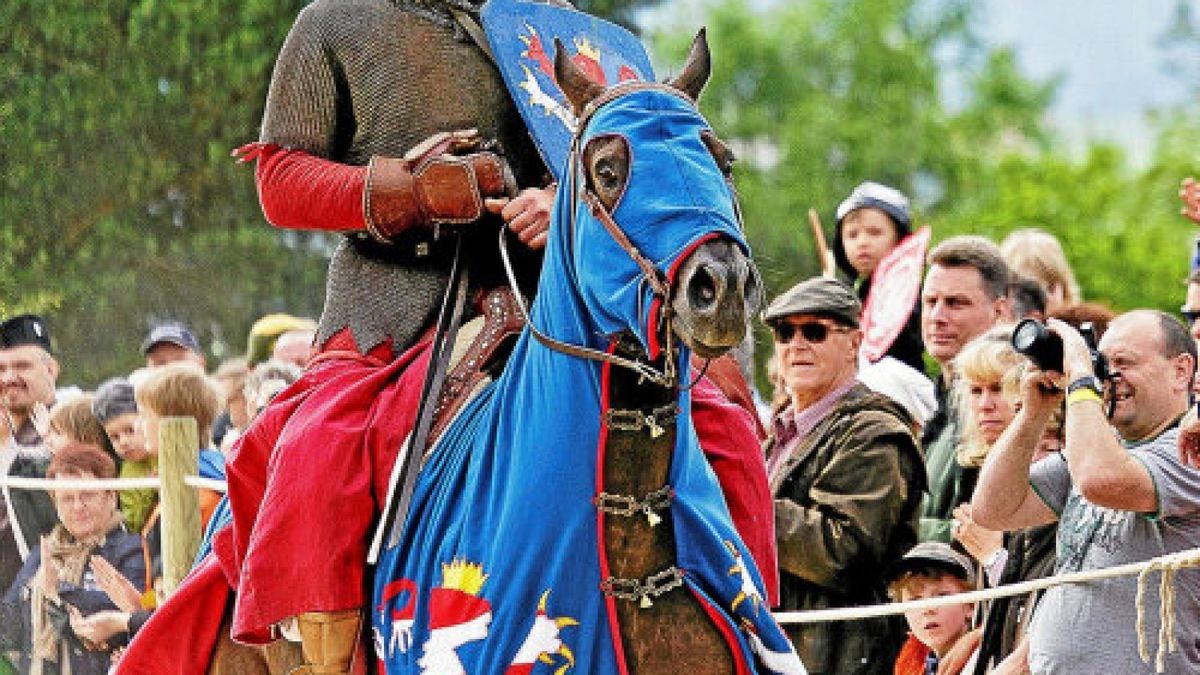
x: 1119, y: 498
x: 28, y: 373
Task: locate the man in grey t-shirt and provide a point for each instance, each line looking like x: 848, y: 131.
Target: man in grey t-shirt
x: 1119, y: 497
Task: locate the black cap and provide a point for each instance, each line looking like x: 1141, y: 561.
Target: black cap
x: 819, y: 295
x: 173, y: 333
x: 26, y: 329
x: 933, y: 554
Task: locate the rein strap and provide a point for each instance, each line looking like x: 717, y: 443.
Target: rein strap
x: 642, y: 369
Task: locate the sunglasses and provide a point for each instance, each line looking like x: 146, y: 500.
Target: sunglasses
x: 813, y: 332
x: 1190, y: 315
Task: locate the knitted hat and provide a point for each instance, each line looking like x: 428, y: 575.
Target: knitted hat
x: 113, y: 398
x: 870, y: 194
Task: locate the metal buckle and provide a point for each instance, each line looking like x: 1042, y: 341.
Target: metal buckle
x: 625, y: 505
x: 643, y: 591
x: 636, y: 420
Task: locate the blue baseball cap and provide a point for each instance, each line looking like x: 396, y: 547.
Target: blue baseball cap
x: 170, y: 333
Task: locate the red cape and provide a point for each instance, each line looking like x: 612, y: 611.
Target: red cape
x: 727, y: 434
x: 306, y: 484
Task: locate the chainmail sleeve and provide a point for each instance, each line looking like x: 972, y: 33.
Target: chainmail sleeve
x: 362, y: 78
x: 302, y: 105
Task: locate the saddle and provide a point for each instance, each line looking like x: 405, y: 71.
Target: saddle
x: 479, y: 354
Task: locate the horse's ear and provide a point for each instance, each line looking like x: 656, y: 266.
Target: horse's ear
x: 578, y: 87
x: 697, y: 69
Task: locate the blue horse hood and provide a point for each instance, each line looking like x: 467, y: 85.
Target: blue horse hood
x: 673, y: 179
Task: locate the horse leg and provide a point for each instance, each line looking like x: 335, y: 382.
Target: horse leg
x: 231, y: 658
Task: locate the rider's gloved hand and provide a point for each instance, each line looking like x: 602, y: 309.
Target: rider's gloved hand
x: 442, y: 181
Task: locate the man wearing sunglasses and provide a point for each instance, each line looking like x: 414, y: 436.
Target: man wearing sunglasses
x: 846, y: 475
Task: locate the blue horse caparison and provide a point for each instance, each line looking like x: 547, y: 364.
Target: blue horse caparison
x: 502, y: 560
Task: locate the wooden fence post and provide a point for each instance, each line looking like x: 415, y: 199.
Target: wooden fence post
x: 178, y: 456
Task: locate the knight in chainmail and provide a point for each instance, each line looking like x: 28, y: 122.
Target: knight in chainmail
x: 363, y: 134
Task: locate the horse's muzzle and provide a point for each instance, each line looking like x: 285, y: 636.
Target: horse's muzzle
x: 717, y: 291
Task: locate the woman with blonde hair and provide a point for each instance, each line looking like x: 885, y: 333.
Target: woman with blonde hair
x: 990, y: 373
x: 989, y: 382
x: 1038, y: 255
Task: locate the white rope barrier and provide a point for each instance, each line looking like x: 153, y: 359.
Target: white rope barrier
x: 1167, y: 564
x: 894, y: 608
x: 150, y: 482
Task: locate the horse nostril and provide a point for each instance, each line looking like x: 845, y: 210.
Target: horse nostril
x: 752, y: 288
x: 702, y: 288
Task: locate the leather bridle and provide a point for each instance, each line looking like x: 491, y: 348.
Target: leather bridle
x: 658, y: 282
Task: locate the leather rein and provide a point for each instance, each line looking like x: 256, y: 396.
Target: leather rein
x: 651, y: 276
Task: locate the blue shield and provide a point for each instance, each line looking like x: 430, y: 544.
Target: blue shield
x: 522, y: 34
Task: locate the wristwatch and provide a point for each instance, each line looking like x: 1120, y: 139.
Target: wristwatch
x: 1086, y: 382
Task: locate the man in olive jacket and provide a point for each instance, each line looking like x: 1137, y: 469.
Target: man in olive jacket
x: 846, y: 475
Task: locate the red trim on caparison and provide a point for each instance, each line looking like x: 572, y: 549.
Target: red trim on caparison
x: 610, y: 604
x: 652, y: 345
x: 721, y: 622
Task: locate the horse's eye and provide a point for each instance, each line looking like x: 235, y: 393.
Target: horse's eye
x: 609, y: 177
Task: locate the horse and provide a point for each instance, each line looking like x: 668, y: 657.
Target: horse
x: 567, y: 517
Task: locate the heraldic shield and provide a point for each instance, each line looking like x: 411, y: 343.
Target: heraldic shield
x: 521, y: 35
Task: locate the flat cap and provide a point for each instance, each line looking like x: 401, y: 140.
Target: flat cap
x: 818, y: 295
x: 27, y: 329
x: 933, y: 554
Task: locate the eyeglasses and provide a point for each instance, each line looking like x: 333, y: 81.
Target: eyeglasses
x: 1190, y: 315
x: 813, y: 332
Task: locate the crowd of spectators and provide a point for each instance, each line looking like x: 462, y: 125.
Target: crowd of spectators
x: 948, y: 462
x: 80, y: 568
x: 1028, y: 470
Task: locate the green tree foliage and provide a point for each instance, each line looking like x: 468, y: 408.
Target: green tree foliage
x: 123, y: 206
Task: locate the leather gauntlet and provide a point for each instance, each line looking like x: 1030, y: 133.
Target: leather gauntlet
x: 431, y: 187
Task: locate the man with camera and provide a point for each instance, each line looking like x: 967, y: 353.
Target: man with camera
x: 1119, y: 498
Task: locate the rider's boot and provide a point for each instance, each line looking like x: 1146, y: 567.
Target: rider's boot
x: 329, y: 640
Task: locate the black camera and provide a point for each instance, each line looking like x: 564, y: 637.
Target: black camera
x: 1044, y: 348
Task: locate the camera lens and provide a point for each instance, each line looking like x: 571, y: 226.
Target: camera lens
x: 1025, y: 335
x: 1045, y: 348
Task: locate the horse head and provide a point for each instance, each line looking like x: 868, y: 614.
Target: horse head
x: 658, y: 173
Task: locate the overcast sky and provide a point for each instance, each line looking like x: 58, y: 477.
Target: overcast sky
x: 1105, y: 49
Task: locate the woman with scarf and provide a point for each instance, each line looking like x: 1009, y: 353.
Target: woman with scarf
x: 58, y: 580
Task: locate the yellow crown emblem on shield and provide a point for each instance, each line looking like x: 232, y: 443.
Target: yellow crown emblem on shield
x: 465, y: 576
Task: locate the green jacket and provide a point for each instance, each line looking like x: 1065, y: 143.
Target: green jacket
x: 950, y: 483
x: 846, y: 501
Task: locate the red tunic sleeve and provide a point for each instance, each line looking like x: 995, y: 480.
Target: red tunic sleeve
x: 300, y: 191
